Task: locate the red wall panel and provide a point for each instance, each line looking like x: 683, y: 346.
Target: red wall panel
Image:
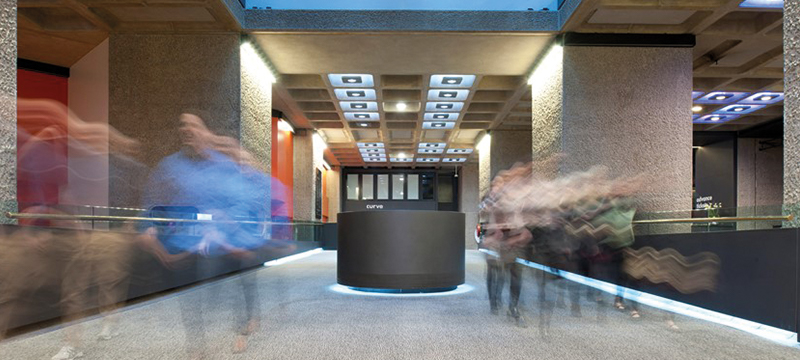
x: 282, y: 170
x: 41, y: 139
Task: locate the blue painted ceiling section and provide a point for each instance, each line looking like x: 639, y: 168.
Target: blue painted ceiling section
x: 380, y: 5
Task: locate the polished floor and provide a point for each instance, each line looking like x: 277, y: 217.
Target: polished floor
x: 304, y: 319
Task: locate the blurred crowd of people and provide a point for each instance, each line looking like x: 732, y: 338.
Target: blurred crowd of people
x: 211, y: 181
x: 582, y: 223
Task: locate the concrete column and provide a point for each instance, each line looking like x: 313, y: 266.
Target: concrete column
x: 256, y: 99
x: 625, y: 108
x: 334, y: 191
x: 153, y: 78
x: 547, y: 98
x: 308, y: 157
x: 484, y: 149
x: 470, y: 199
x: 8, y: 108
x: 509, y: 148
x: 791, y: 116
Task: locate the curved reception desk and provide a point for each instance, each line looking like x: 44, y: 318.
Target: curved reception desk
x: 401, y: 250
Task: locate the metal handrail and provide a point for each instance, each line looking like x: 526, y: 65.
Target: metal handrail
x: 717, y: 219
x: 14, y: 215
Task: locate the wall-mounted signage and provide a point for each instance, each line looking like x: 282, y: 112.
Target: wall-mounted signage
x: 374, y: 207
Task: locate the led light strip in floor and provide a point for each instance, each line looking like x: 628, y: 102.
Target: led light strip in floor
x: 781, y: 336
x: 291, y: 258
x: 461, y: 289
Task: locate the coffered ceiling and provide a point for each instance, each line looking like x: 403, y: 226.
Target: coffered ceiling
x: 416, y: 98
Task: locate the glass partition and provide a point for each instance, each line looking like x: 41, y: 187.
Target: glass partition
x: 383, y: 187
x: 413, y: 186
x: 368, y: 188
x: 398, y: 187
x: 352, y: 187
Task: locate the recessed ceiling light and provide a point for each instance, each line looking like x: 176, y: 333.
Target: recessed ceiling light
x: 715, y: 118
x: 447, y: 94
x: 359, y: 94
x: 697, y: 109
x: 362, y: 116
x: 444, y: 106
x: 360, y: 106
x: 452, y: 80
x: 737, y: 109
x: 720, y: 97
x: 401, y: 106
x: 401, y: 155
x: 362, y: 125
x: 766, y: 98
x: 438, y: 125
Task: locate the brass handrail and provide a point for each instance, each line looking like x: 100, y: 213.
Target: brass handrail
x: 789, y: 217
x: 14, y: 215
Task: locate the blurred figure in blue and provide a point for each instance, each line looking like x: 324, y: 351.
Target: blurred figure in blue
x: 215, y: 177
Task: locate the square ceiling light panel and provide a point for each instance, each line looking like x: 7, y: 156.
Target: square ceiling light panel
x: 402, y: 160
x: 721, y: 97
x: 715, y: 119
x: 763, y: 98
x: 355, y: 94
x: 358, y: 105
x: 459, y: 151
x: 351, y: 80
x: 696, y: 94
x: 764, y: 4
x: 362, y: 116
x: 452, y: 81
x: 372, y: 150
x: 739, y: 109
x: 447, y: 95
x: 375, y: 160
x: 441, y: 116
x: 370, y: 145
x: 429, y: 151
x: 432, y: 145
x: 428, y: 160
x: 438, y: 125
x: 444, y: 106
x: 454, y: 160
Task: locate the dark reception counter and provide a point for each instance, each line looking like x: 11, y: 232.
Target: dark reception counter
x: 401, y: 250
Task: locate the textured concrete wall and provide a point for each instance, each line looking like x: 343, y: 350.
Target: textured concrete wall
x: 470, y: 198
x: 308, y: 157
x: 759, y: 182
x: 8, y: 107
x: 566, y: 11
x: 333, y: 186
x: 484, y: 167
x: 628, y: 109
x: 547, y: 105
x: 155, y: 77
x: 256, y: 122
x: 402, y: 20
x: 508, y: 148
x: 791, y: 115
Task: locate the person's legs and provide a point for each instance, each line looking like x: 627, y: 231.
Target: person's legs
x: 494, y: 282
x: 112, y: 271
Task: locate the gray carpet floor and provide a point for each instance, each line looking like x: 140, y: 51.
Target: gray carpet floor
x: 302, y: 318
